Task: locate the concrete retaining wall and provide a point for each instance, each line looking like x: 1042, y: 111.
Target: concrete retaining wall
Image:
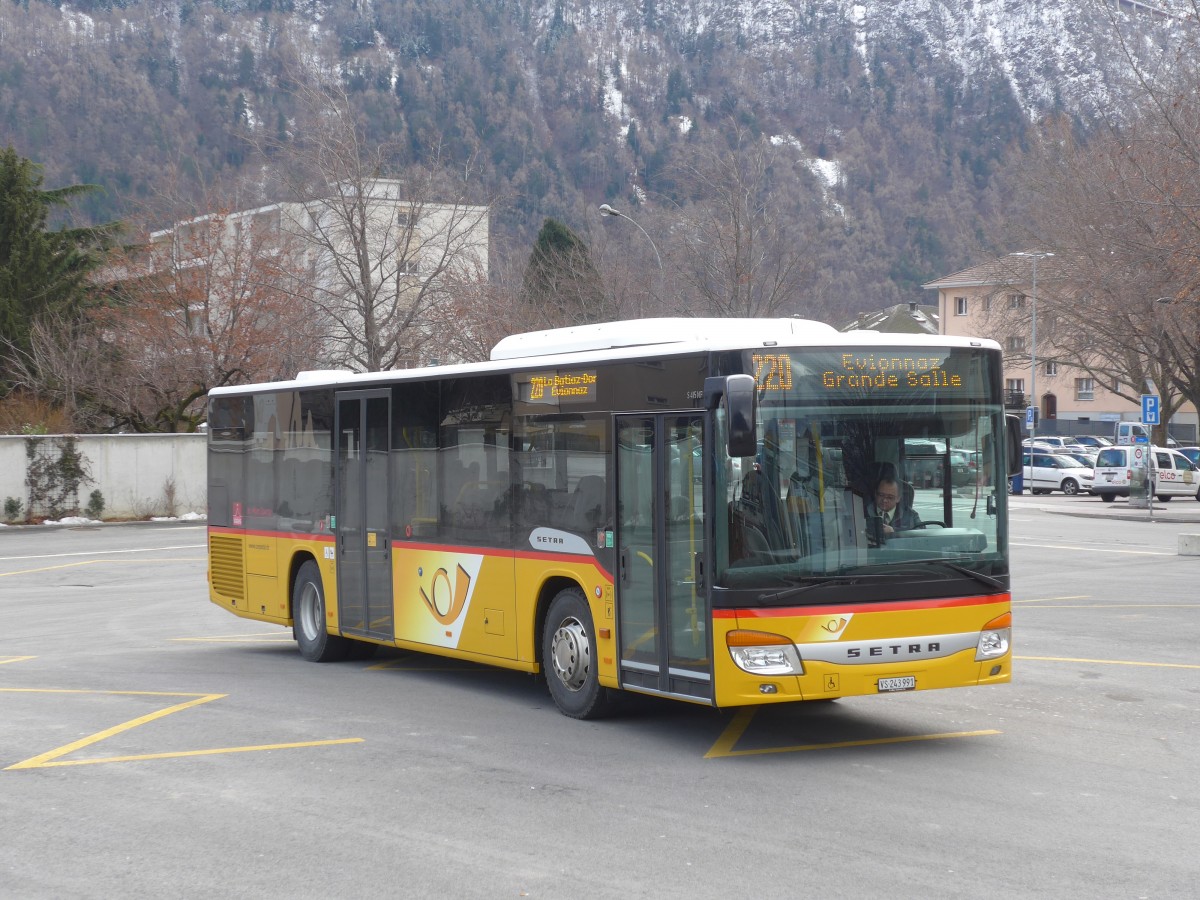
x: 132, y: 471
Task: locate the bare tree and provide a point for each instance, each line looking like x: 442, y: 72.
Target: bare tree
x: 736, y: 242
x: 386, y: 237
x: 1120, y: 208
x: 477, y: 314
x: 1088, y: 318
x: 207, y: 303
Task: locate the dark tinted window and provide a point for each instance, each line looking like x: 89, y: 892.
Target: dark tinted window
x: 474, y: 453
x: 230, y: 420
x: 562, y: 466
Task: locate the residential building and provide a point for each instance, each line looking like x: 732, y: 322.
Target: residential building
x: 996, y: 300
x: 362, y: 247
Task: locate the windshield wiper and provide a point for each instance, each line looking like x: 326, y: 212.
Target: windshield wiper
x: 988, y: 580
x: 801, y: 589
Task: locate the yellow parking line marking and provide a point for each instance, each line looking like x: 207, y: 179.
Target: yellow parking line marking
x: 1110, y: 662
x: 106, y: 552
x: 53, y: 758
x: 92, y: 562
x: 1052, y: 599
x: 13, y: 659
x: 260, y: 638
x: 181, y: 753
x: 731, y: 734
x: 1123, y: 606
x: 724, y: 746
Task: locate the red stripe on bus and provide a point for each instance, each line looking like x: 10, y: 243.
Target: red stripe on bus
x: 254, y: 532
x: 576, y: 558
x: 886, y: 606
x: 539, y: 555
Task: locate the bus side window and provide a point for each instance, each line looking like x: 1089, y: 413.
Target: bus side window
x: 475, y: 444
x: 415, y: 495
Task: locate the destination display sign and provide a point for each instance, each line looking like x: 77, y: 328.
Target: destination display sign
x: 859, y: 374
x: 558, y: 387
x: 869, y: 370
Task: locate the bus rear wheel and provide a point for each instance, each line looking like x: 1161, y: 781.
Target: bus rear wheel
x: 568, y: 658
x: 308, y: 618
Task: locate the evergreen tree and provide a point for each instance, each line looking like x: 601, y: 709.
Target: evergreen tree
x: 42, y: 272
x: 561, y: 283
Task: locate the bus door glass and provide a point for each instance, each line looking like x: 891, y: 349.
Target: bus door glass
x: 662, y: 606
x: 363, y: 541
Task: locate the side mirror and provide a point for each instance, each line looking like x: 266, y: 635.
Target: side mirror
x: 1012, y: 443
x: 741, y: 400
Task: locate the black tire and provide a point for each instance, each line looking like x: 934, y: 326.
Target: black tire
x: 308, y: 619
x: 1070, y: 487
x: 568, y: 640
x: 1165, y: 498
x: 1108, y: 498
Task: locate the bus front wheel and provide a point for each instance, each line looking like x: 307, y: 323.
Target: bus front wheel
x: 308, y: 618
x: 568, y: 657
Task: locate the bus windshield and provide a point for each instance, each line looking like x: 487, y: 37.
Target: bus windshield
x: 873, y: 469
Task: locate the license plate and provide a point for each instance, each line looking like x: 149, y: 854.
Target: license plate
x: 1108, y: 476
x: 904, y: 683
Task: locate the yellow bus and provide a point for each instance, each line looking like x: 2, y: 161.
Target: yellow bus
x: 677, y: 507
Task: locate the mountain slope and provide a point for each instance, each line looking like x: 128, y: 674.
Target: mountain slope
x: 895, y: 127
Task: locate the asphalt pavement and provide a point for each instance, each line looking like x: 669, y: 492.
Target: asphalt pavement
x: 1178, y: 510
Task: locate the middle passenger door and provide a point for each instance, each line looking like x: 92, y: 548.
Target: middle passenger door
x: 662, y: 602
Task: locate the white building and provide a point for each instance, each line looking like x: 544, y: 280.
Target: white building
x: 369, y: 260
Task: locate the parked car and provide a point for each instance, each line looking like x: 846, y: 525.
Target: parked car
x: 1087, y: 457
x: 1174, y: 475
x: 1046, y: 472
x: 1119, y: 468
x: 1192, y: 453
x: 925, y: 464
x: 1092, y: 440
x: 964, y: 466
x: 1051, y: 443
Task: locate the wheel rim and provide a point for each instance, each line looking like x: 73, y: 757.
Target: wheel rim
x: 1070, y: 488
x: 571, y: 654
x: 309, y: 614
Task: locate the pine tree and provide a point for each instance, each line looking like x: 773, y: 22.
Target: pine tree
x: 42, y: 272
x: 561, y: 283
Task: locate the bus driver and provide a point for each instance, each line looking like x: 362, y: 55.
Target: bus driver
x: 886, y: 507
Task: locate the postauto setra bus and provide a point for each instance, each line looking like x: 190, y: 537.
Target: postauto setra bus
x: 673, y: 507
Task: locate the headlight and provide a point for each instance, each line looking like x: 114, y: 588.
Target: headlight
x: 763, y: 653
x: 995, y: 638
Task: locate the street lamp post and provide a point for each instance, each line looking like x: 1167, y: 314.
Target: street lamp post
x: 606, y: 210
x: 1033, y: 346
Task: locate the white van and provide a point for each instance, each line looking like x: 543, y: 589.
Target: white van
x: 1129, y: 432
x: 1118, y: 467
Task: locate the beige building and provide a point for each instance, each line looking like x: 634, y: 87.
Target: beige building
x: 996, y: 300
x: 362, y: 247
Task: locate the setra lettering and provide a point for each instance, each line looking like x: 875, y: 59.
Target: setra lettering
x: 886, y: 650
